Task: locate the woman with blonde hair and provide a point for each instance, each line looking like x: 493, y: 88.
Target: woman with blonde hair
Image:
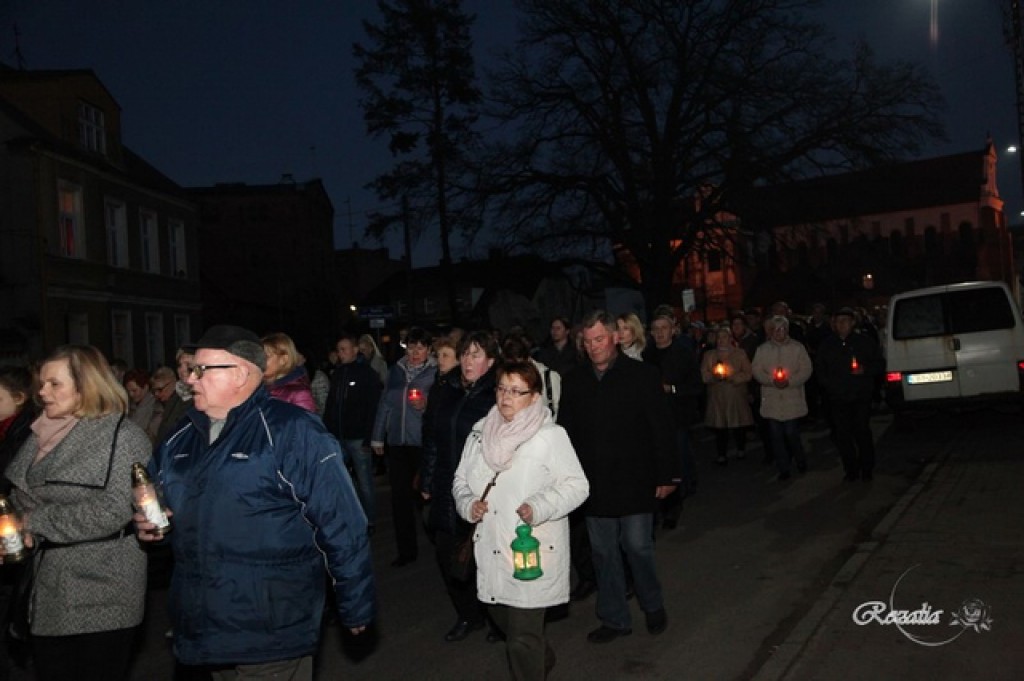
x: 72, y: 483
x: 285, y: 377
x: 632, y: 340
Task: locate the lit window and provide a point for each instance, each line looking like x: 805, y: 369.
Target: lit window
x: 150, y: 239
x: 92, y: 134
x: 117, y: 234
x: 70, y: 224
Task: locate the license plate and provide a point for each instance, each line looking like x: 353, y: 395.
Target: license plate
x: 930, y: 377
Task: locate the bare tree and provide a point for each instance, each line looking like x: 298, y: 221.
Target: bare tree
x: 417, y: 73
x: 639, y: 123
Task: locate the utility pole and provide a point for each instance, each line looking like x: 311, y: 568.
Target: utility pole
x: 1018, y: 62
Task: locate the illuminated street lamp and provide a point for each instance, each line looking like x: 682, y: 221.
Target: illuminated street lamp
x: 868, y: 281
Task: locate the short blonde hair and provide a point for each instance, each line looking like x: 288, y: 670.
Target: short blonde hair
x: 283, y: 346
x: 95, y: 382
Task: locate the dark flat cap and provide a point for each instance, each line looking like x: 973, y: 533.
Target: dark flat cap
x: 236, y: 340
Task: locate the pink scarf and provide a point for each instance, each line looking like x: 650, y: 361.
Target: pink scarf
x: 49, y: 432
x: 501, y: 437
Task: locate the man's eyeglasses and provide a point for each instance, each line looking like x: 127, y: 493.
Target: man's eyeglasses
x: 161, y: 388
x: 511, y: 392
x: 198, y: 370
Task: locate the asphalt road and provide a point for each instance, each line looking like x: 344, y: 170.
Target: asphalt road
x: 749, y: 559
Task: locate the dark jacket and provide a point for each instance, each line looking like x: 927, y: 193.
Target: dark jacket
x: 621, y: 429
x: 397, y: 422
x: 258, y: 515
x: 563, y: 361
x: 17, y: 433
x: 679, y: 369
x: 834, y: 372
x: 174, y: 411
x: 352, y: 402
x: 451, y: 412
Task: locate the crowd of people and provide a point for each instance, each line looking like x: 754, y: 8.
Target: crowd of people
x: 267, y: 471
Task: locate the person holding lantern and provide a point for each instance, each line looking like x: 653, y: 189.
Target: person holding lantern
x: 399, y: 425
x: 517, y: 481
x: 781, y: 365
x: 726, y: 372
x: 72, y: 484
x: 847, y: 365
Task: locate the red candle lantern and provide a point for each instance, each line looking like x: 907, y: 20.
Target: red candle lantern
x: 854, y: 365
x: 415, y: 394
x: 780, y: 374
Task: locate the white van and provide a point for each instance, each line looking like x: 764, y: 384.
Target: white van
x: 952, y: 343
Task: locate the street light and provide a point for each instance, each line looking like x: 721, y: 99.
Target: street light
x: 868, y: 281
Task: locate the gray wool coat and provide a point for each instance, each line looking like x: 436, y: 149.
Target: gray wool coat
x: 80, y: 494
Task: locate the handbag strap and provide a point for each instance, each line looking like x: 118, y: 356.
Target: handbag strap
x: 487, y: 490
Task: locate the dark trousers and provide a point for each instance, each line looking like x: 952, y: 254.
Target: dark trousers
x: 529, y: 655
x: 786, y: 443
x: 722, y: 439
x: 579, y: 548
x: 403, y: 465
x: 461, y: 592
x: 102, y: 656
x: 853, y: 435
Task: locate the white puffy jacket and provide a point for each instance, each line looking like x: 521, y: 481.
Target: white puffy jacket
x: 545, y: 474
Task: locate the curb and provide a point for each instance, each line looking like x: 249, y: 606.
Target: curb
x: 785, y: 655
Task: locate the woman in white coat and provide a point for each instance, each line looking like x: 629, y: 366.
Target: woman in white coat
x: 536, y: 479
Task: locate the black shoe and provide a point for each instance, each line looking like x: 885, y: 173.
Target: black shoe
x: 403, y: 560
x: 657, y: 621
x: 583, y: 590
x: 462, y: 629
x: 605, y: 634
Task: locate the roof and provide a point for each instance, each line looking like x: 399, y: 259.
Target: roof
x: 891, y: 188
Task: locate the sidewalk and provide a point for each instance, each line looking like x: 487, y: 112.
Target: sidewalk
x: 957, y: 534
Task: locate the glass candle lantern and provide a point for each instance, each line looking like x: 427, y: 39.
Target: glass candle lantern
x: 780, y: 374
x: 525, y: 554
x: 12, y: 544
x: 147, y: 502
x: 720, y: 371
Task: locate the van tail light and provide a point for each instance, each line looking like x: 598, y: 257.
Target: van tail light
x: 897, y: 376
x: 1020, y: 365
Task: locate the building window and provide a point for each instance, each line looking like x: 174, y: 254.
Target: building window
x: 182, y: 330
x: 70, y: 223
x: 78, y: 328
x: 121, y: 336
x: 179, y: 263
x: 92, y: 133
x: 150, y: 239
x: 154, y: 340
x: 117, y: 233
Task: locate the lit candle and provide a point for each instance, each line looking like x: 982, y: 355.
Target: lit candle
x: 415, y: 394
x: 780, y: 374
x: 854, y: 366
x: 720, y: 370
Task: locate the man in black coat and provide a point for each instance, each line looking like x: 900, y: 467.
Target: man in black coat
x: 846, y: 367
x: 349, y: 415
x: 615, y: 412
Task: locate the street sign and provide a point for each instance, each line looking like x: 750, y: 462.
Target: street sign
x: 377, y: 323
x: 377, y: 312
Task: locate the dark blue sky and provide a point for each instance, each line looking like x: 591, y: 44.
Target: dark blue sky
x: 245, y: 90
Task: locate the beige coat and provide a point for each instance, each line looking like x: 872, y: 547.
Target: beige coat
x: 79, y: 494
x: 782, y: 404
x: 728, y: 400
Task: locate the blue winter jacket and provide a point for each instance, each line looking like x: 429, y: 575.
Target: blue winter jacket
x: 258, y: 515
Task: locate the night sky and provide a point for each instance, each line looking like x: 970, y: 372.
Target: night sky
x: 246, y: 90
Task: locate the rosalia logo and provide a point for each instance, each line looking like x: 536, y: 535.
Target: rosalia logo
x: 973, y: 615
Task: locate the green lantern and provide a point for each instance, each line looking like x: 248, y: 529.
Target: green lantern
x: 526, y: 554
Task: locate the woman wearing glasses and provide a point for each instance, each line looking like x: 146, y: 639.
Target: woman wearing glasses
x: 463, y: 398
x: 534, y: 478
x: 72, y: 483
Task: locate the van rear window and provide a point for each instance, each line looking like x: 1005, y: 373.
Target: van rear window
x: 953, y: 312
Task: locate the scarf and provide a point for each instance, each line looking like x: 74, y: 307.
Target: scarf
x: 501, y: 437
x: 51, y: 431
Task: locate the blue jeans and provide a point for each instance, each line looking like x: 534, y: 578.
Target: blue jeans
x: 361, y: 460
x: 609, y: 539
x: 786, y: 443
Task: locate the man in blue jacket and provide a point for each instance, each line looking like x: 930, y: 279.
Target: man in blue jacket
x: 261, y: 504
